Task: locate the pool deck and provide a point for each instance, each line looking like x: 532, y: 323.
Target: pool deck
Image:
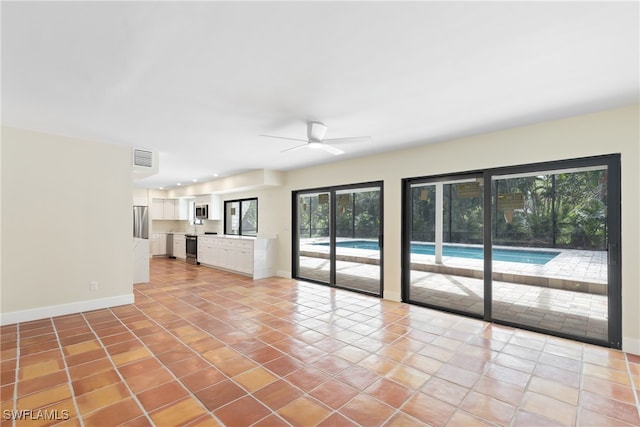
x: 573, y: 270
x: 575, y: 303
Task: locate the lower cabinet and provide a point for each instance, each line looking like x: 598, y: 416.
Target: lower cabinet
x: 238, y: 254
x: 206, y: 251
x: 158, y: 244
x: 179, y: 246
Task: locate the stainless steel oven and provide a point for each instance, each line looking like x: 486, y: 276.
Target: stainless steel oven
x: 192, y: 248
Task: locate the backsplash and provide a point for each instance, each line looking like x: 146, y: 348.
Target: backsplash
x: 181, y: 226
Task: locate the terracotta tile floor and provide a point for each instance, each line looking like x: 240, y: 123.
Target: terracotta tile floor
x: 204, y: 347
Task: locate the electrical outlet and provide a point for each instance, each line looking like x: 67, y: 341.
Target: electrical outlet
x: 93, y: 286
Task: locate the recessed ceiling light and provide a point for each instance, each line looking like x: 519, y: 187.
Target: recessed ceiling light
x: 161, y: 188
x: 215, y: 174
x: 179, y: 183
x: 195, y: 180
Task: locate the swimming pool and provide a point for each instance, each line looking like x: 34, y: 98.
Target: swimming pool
x: 473, y: 252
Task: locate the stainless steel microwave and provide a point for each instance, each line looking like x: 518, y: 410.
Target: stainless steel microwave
x: 202, y: 211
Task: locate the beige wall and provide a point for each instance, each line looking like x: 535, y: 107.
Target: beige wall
x: 614, y: 131
x: 74, y: 248
x: 66, y: 221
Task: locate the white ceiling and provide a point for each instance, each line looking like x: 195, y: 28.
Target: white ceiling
x: 199, y: 82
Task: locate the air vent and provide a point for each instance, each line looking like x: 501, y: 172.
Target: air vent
x: 142, y: 158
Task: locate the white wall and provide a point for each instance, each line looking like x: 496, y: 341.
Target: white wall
x: 614, y: 131
x: 66, y: 221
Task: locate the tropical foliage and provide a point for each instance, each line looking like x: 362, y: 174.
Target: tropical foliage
x: 357, y: 215
x: 566, y: 210
x: 563, y: 210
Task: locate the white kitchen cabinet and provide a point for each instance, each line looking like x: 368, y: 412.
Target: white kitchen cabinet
x: 215, y: 207
x: 242, y: 256
x: 179, y: 246
x: 169, y: 209
x: 158, y: 244
x: 245, y: 255
x: 157, y: 209
x: 206, y: 251
x: 182, y: 209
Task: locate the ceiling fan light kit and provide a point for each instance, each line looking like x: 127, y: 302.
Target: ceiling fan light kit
x: 316, y: 131
x: 315, y: 139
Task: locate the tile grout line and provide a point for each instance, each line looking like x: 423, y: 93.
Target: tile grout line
x: 470, y: 389
x: 635, y: 386
x: 402, y: 363
x: 133, y: 395
x: 154, y: 356
x: 273, y: 412
x: 526, y: 387
x: 580, y: 387
x: 17, y: 374
x: 538, y: 360
x: 182, y: 306
x: 338, y: 410
x: 66, y: 369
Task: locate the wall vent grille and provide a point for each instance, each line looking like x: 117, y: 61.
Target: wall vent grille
x: 142, y: 158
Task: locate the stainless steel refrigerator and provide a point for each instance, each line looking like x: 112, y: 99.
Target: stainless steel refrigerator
x: 141, y: 222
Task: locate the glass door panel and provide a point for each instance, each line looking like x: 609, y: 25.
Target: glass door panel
x: 446, y: 244
x: 358, y: 230
x: 549, y: 231
x: 314, y: 236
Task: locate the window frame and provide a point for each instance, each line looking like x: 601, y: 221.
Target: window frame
x: 227, y: 218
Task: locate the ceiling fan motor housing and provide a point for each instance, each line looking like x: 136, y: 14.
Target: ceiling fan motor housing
x: 316, y: 131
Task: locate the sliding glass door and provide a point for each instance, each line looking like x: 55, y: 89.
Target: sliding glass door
x: 445, y: 247
x: 338, y: 237
x: 313, y: 240
x: 533, y: 246
x: 550, y: 240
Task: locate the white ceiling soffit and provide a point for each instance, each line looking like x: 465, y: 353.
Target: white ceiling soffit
x: 198, y: 82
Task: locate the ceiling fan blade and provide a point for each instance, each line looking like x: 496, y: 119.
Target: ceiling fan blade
x: 297, y: 147
x: 284, y: 137
x: 348, y: 140
x: 331, y: 149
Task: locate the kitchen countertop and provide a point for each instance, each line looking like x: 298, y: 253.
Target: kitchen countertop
x: 228, y: 236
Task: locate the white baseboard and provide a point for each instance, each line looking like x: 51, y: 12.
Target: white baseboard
x: 63, y: 309
x: 283, y: 273
x: 631, y: 345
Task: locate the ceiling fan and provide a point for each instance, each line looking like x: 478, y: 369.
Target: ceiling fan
x: 315, y: 139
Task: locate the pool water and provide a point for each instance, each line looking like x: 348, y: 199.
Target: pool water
x: 508, y: 255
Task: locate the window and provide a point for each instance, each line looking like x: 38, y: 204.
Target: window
x: 241, y: 217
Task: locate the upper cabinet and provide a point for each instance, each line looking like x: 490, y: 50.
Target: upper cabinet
x: 169, y: 209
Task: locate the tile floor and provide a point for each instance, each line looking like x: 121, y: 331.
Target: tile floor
x: 204, y: 347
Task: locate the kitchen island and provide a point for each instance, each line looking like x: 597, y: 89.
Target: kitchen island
x: 250, y: 256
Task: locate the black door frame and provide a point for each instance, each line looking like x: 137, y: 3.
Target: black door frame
x: 407, y: 222
x: 295, y: 247
x: 614, y: 232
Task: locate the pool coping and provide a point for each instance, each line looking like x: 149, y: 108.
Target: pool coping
x: 568, y: 258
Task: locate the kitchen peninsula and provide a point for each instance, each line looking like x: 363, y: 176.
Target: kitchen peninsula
x: 250, y: 256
